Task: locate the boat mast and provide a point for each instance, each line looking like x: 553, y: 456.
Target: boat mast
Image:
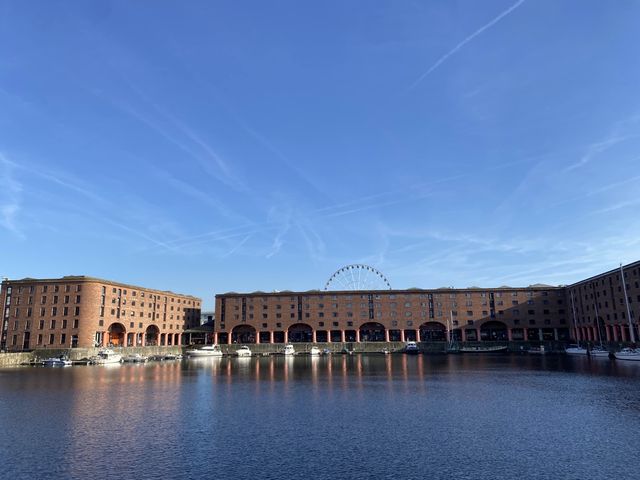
x: 626, y: 300
x: 595, y: 306
x: 450, y: 327
x: 573, y: 310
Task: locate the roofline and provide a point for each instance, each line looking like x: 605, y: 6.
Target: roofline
x: 624, y: 267
x: 284, y: 293
x: 87, y: 279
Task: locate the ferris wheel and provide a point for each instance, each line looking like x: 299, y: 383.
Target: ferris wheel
x: 357, y: 277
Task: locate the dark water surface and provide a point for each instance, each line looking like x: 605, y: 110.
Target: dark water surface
x: 453, y: 417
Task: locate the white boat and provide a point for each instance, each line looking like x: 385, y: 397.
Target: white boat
x: 289, y: 350
x: 315, y: 351
x: 575, y: 350
x: 106, y: 356
x: 484, y: 349
x: 137, y: 358
x: 628, y: 354
x: 243, y: 351
x: 599, y: 352
x: 411, y: 347
x: 61, y: 361
x: 206, y: 351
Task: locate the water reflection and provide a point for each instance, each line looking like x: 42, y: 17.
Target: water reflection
x: 347, y: 416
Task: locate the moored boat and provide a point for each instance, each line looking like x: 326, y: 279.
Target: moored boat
x: 315, y: 351
x: 243, y: 351
x: 411, y: 348
x: 289, y: 350
x: 107, y: 356
x: 628, y: 354
x: 575, y: 350
x: 484, y: 349
x: 206, y: 351
x: 137, y: 358
x: 599, y: 352
x: 60, y: 361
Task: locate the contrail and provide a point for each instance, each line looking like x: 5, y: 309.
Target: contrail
x: 455, y: 49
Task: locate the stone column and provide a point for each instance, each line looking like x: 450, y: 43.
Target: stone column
x: 328, y: 336
x: 386, y: 335
x: 509, y: 334
x: 257, y: 338
x: 555, y: 334
x: 215, y: 338
x: 616, y: 337
x: 271, y: 336
x: 342, y: 336
x: 478, y: 336
x: 357, y: 335
x: 402, y: 335
x: 313, y: 335
x: 463, y: 334
x: 286, y: 336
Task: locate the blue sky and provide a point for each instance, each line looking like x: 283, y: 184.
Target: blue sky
x: 211, y: 146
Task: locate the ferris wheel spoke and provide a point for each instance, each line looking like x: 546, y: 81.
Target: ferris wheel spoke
x: 357, y: 277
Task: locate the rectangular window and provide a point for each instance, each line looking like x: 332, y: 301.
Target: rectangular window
x: 51, y: 338
x: 75, y: 323
x: 77, y: 311
x: 63, y: 339
x: 64, y: 323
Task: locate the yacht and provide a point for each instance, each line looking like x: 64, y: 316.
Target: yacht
x: 60, y: 361
x: 289, y: 350
x: 137, y: 358
x: 628, y: 354
x: 243, y: 351
x: 206, y: 351
x: 599, y: 352
x: 575, y: 350
x: 106, y: 356
x: 484, y: 349
x: 411, y: 347
x: 315, y: 351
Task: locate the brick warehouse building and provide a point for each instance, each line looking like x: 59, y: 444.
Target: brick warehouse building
x: 534, y: 313
x: 79, y: 311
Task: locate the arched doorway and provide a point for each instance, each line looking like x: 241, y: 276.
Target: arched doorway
x: 372, y: 332
x: 117, y: 334
x: 493, y: 331
x: 243, y: 334
x: 300, y: 332
x: 433, y: 332
x: 151, y: 335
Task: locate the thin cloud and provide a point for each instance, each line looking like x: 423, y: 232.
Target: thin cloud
x: 11, y: 198
x: 455, y: 49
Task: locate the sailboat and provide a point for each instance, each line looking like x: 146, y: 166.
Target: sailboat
x: 453, y: 347
x: 598, y: 351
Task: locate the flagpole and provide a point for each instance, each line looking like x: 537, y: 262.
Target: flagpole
x: 626, y: 300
